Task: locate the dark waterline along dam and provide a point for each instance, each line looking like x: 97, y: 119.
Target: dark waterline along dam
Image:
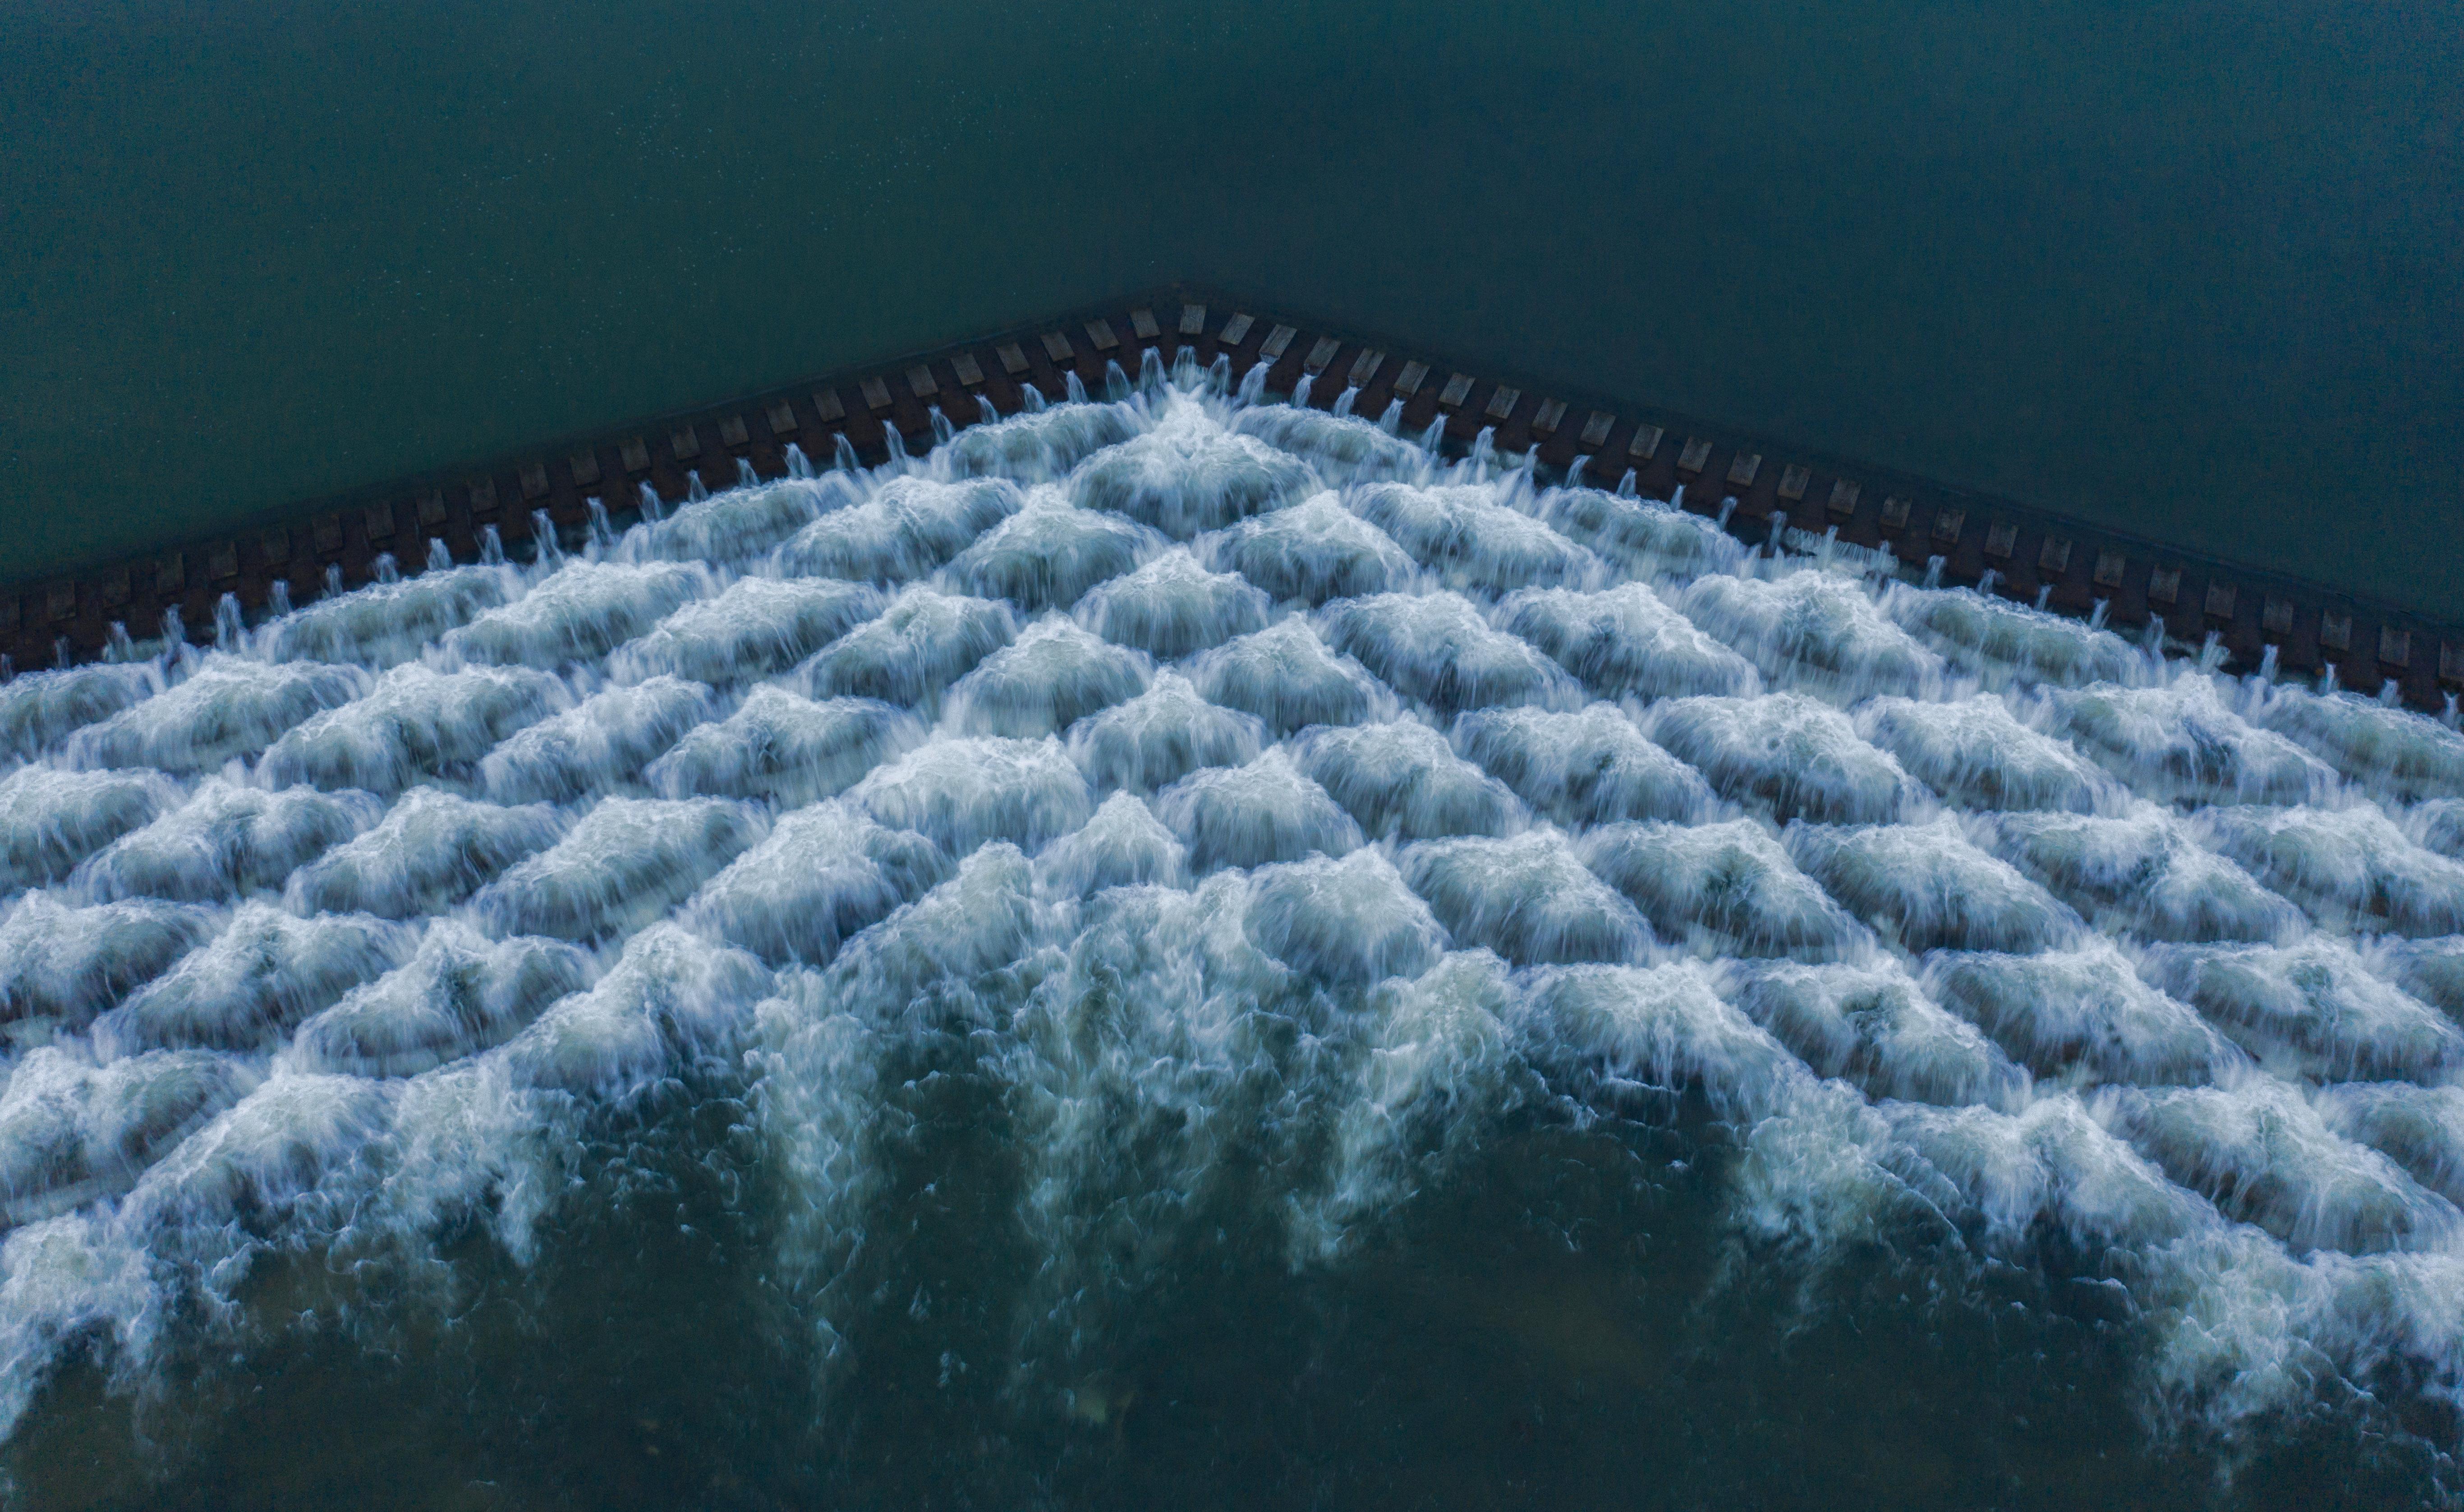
x: 1788, y: 499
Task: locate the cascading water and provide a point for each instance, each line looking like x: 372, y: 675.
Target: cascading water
x: 1168, y: 934
x: 545, y: 549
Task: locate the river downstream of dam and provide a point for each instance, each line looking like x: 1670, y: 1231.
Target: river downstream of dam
x: 1180, y: 948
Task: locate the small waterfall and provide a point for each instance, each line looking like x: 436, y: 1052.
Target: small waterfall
x: 545, y: 549
x: 2153, y: 639
x: 1520, y: 479
x: 1186, y: 375
x: 2445, y: 716
x: 1030, y: 398
x: 1218, y: 375
x: 1392, y: 421
x: 1117, y: 384
x: 1728, y: 512
x: 603, y: 532
x: 2096, y: 616
x: 2390, y: 694
x: 1777, y: 536
x: 116, y: 645
x: 1933, y: 571
x: 2327, y: 679
x: 985, y: 413
x: 2211, y: 651
x: 798, y: 464
x: 231, y: 631
x: 175, y: 634
x: 333, y: 579
x: 1830, y: 545
x: 943, y: 432
x: 1986, y: 581
x: 492, y: 547
x: 1343, y: 402
x: 1629, y: 486
x: 746, y: 477
x: 2044, y: 596
x: 1253, y: 384
x: 61, y: 656
x: 1676, y: 499
x: 439, y: 557
x: 277, y: 597
x: 1483, y: 451
x: 1433, y: 439
x: 1151, y: 372
x: 1300, y: 391
x: 890, y: 437
x: 2266, y: 663
x: 1072, y: 390
x: 651, y: 509
x: 384, y: 569
x: 1886, y: 563
x: 843, y: 455
x: 1573, y: 474
x: 694, y: 491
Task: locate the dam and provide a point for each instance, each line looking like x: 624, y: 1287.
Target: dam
x: 1180, y: 903
x: 2235, y: 616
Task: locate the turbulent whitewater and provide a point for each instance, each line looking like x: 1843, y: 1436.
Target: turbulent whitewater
x: 1267, y: 821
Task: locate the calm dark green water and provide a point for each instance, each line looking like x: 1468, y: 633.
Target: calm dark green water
x: 2190, y: 267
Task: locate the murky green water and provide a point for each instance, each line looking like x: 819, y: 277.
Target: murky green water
x: 2191, y: 267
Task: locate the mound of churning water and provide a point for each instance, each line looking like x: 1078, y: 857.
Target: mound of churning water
x: 1259, y: 813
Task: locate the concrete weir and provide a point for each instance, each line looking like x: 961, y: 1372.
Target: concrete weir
x: 2241, y: 617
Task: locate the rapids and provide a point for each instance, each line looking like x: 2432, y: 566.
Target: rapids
x: 1192, y: 828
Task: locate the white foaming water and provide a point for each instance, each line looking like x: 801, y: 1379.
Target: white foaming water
x: 1437, y: 650
x: 605, y: 739
x: 50, y: 820
x: 1264, y: 807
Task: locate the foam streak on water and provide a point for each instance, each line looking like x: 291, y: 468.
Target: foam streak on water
x: 1260, y: 804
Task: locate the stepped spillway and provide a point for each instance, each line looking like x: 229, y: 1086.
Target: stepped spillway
x: 1257, y: 813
